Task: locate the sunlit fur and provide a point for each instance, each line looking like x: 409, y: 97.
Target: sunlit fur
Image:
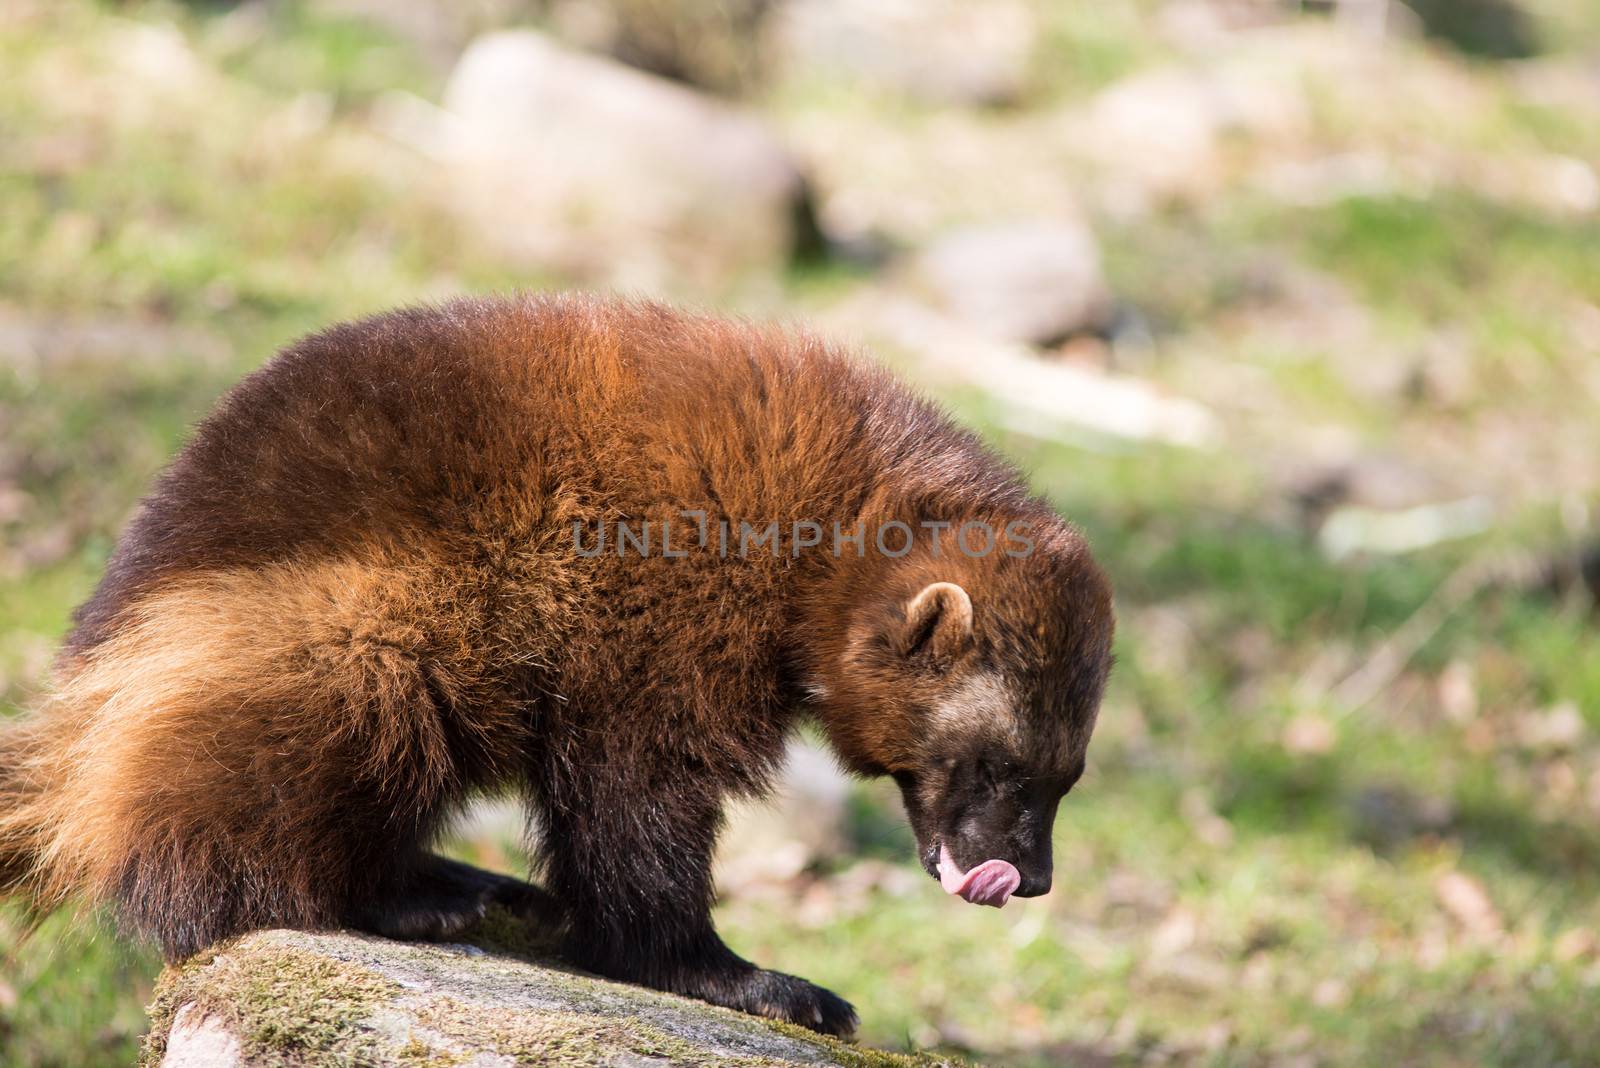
x: 353, y: 602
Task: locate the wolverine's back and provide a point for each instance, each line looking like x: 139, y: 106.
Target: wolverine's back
x: 503, y: 421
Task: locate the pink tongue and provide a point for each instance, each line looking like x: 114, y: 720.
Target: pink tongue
x: 990, y: 883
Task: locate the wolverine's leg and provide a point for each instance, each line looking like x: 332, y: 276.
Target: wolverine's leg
x: 433, y: 898
x: 631, y: 867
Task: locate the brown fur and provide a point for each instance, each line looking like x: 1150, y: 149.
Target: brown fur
x: 353, y: 602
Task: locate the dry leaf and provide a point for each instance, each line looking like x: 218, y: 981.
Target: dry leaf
x: 1309, y: 734
x: 1466, y: 900
x: 1557, y: 728
x: 1577, y: 943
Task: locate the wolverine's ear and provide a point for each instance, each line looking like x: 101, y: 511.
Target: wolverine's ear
x: 938, y: 621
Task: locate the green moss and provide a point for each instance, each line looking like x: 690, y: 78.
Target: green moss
x: 567, y: 1039
x: 864, y: 1056
x: 579, y: 1039
x: 418, y: 1054
x: 283, y: 1004
x: 503, y: 931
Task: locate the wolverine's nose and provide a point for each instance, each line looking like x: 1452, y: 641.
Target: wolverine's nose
x: 1034, y: 884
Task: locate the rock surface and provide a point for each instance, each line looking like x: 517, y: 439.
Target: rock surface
x: 1044, y: 398
x: 1033, y: 282
x: 291, y: 997
x: 579, y: 163
x: 801, y: 824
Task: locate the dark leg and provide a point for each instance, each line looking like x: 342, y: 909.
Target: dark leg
x: 632, y: 869
x: 436, y: 899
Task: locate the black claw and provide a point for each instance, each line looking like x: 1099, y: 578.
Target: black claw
x: 793, y: 1000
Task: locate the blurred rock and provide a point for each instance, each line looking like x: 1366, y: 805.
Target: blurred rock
x: 873, y: 176
x: 1556, y: 729
x: 802, y: 824
x: 1036, y: 282
x: 1039, y: 397
x: 581, y: 164
x: 1377, y: 503
x: 1159, y: 136
x: 857, y: 886
x: 159, y: 60
x: 1352, y: 530
x: 940, y: 51
x: 1373, y: 19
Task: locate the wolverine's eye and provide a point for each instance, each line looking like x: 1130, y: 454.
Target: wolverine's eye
x: 995, y: 775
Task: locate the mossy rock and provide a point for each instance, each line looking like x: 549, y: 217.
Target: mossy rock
x: 294, y: 998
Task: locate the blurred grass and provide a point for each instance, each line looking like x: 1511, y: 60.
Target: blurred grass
x: 1228, y: 891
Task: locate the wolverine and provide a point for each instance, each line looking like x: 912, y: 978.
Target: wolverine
x: 376, y: 584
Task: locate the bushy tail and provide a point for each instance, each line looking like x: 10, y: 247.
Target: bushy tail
x: 21, y: 787
x: 65, y: 773
x: 37, y: 752
x: 231, y: 756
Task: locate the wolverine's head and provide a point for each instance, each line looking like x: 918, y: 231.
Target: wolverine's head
x: 976, y: 683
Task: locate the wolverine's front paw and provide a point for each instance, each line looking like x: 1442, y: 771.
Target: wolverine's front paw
x: 784, y: 997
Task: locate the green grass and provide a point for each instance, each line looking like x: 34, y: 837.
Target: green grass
x: 1228, y: 892
x: 1436, y: 257
x: 1087, y: 48
x: 70, y: 995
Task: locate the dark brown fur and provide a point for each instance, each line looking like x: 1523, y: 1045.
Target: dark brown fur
x: 353, y: 602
